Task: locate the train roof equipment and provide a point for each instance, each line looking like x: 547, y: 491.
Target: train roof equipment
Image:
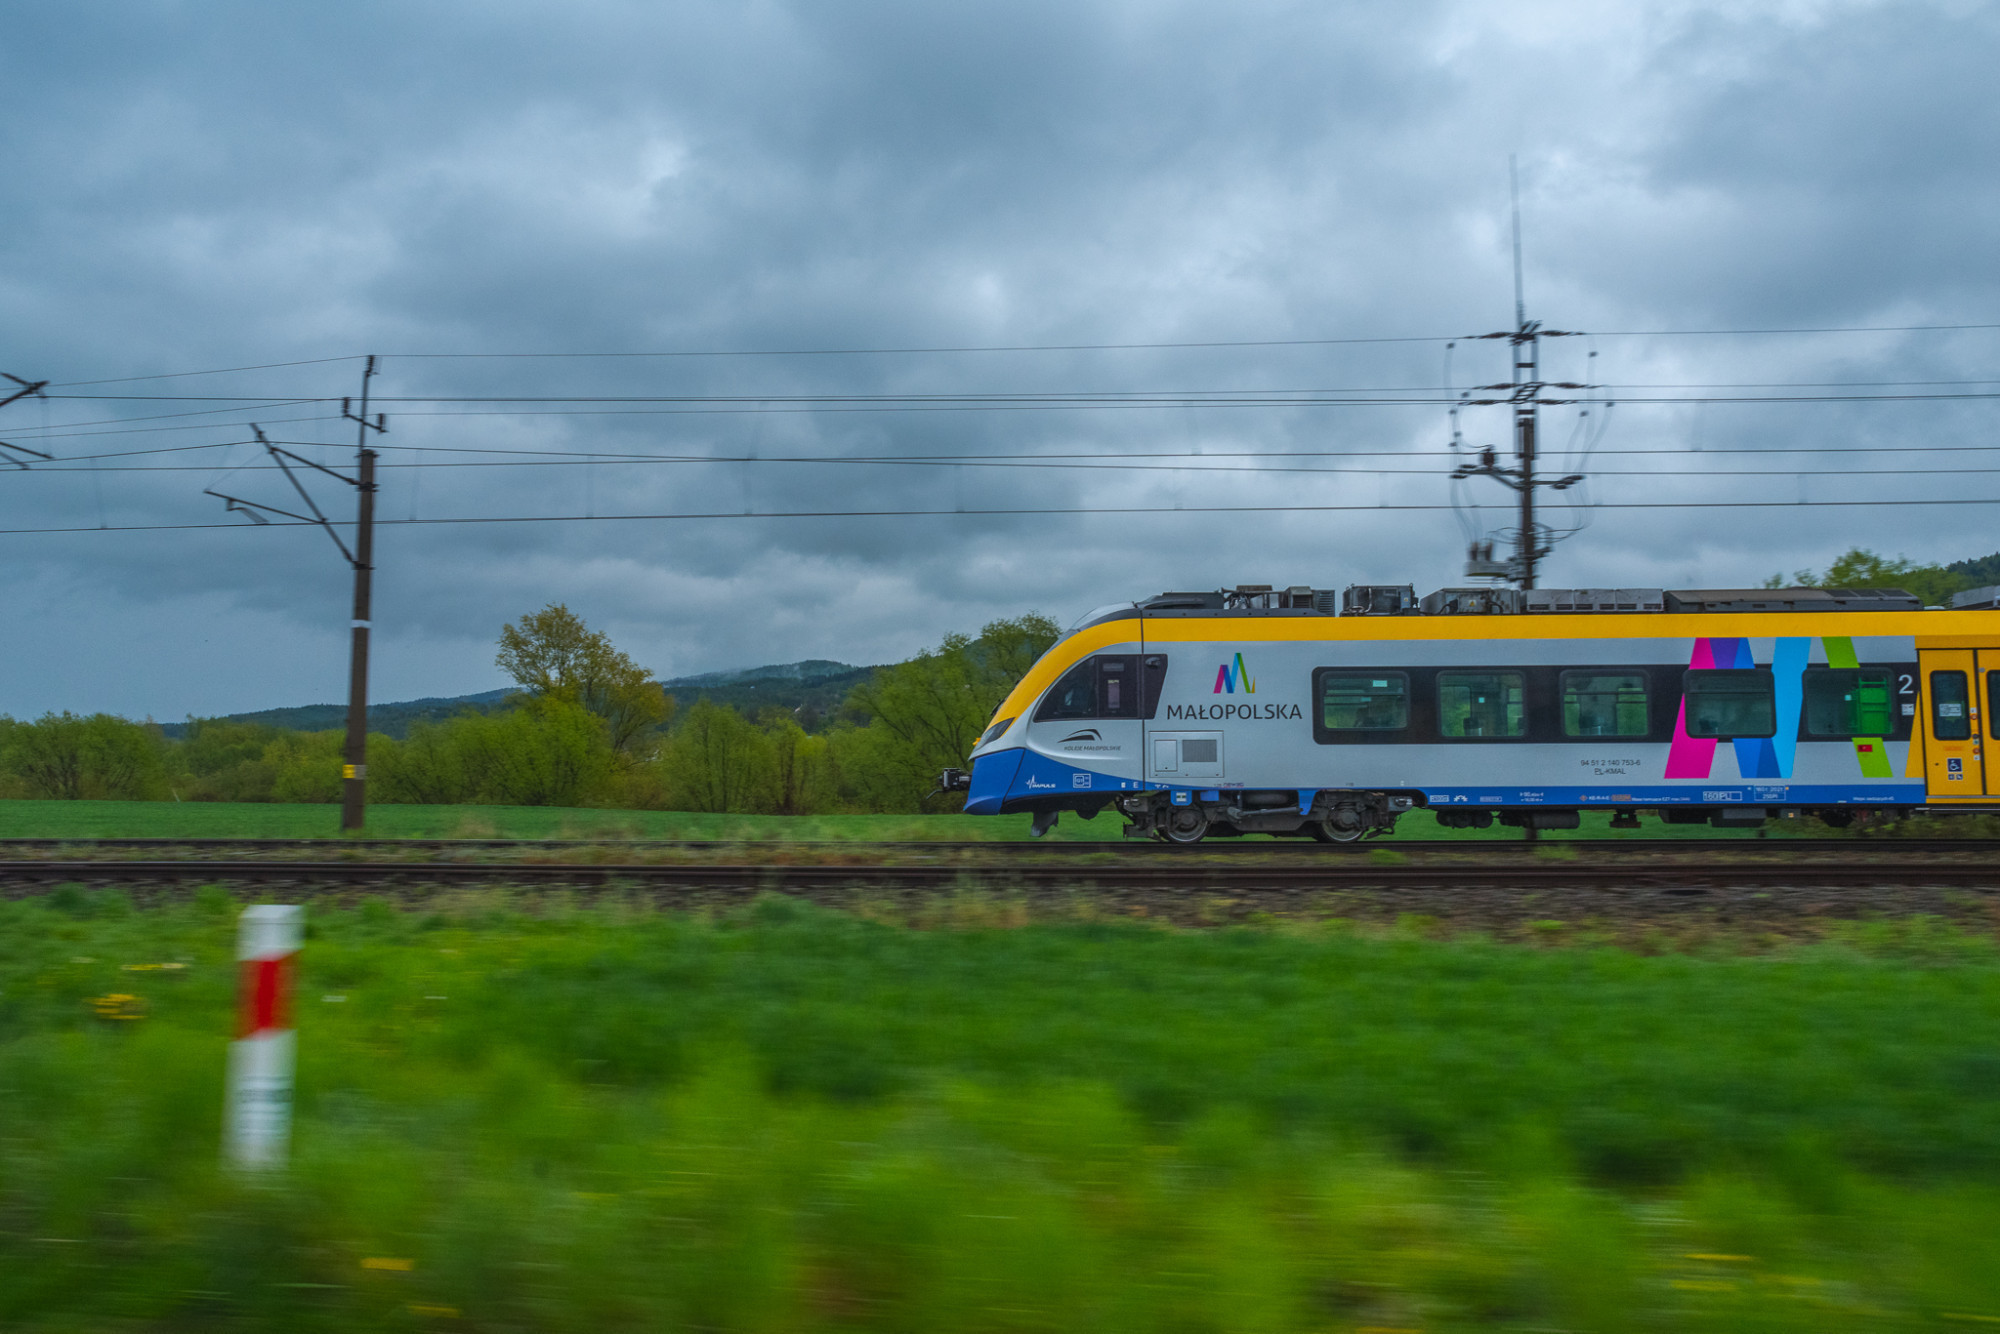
x: 1402, y: 600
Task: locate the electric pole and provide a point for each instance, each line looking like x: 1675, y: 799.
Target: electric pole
x: 354, y: 769
x: 354, y: 773
x: 1525, y: 395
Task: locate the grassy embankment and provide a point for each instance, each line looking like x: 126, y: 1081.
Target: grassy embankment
x: 793, y: 1119
x: 168, y: 819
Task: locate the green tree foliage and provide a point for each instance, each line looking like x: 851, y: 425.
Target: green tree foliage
x: 426, y: 768
x: 96, y: 757
x: 1977, y: 573
x: 305, y: 766
x: 547, y: 752
x: 219, y: 760
x: 925, y: 715
x: 802, y: 780
x: 552, y: 654
x: 718, y: 760
x: 1861, y: 568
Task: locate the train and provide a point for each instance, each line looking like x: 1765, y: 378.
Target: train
x: 1294, y: 712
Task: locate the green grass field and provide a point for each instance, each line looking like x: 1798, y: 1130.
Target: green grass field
x: 168, y: 819
x: 793, y: 1119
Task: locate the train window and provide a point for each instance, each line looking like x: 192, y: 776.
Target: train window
x: 1604, y: 704
x: 1075, y: 696
x: 1951, y: 716
x: 1482, y: 704
x: 1725, y: 703
x: 1117, y: 688
x: 1106, y: 686
x: 1849, y: 702
x: 1364, y: 701
x: 1993, y: 703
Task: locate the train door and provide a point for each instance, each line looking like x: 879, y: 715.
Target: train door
x: 1090, y: 720
x: 1986, y: 684
x: 1954, y: 722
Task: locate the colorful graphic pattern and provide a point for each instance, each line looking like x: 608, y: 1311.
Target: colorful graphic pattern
x: 1230, y: 675
x: 1869, y: 751
x: 1769, y: 757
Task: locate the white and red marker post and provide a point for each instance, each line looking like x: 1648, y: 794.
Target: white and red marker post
x: 257, y: 1120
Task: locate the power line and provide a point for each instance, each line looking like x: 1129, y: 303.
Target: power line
x: 224, y: 370
x: 1024, y: 347
x: 1024, y: 510
x: 64, y: 431
x: 1195, y: 465
x: 1827, y: 329
x: 1173, y: 397
x: 753, y: 405
x: 594, y: 455
x: 1010, y: 395
x: 1125, y: 347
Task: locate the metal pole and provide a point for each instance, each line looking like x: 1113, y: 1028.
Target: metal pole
x: 1525, y: 391
x: 354, y: 785
x: 354, y: 774
x: 1524, y: 450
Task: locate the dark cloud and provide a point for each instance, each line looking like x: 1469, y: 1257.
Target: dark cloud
x: 232, y: 185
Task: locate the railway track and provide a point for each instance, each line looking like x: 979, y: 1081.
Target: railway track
x: 1163, y: 874
x: 1608, y: 847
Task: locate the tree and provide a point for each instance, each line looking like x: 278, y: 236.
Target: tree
x: 71, y: 758
x: 1860, y: 568
x: 552, y: 654
x: 224, y: 761
x: 800, y: 779
x: 306, y: 765
x: 718, y: 761
x: 426, y: 768
x: 549, y: 752
x: 926, y: 715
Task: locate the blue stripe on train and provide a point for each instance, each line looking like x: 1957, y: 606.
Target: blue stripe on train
x: 1683, y: 794
x: 1011, y: 775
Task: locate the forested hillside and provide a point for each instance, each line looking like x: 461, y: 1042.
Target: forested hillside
x: 813, y: 691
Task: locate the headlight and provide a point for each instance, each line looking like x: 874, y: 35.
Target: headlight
x: 993, y: 732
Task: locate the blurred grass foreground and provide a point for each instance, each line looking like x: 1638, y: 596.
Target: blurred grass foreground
x: 793, y: 1119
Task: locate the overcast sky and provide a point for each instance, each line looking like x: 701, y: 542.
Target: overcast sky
x: 192, y: 187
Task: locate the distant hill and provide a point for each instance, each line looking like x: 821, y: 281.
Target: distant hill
x: 812, y: 690
x: 1979, y: 573
x: 391, y: 719
x: 809, y: 690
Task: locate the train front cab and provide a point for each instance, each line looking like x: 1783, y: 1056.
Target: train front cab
x: 1961, y: 685
x: 1068, y: 737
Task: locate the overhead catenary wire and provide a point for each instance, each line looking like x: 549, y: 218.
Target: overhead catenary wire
x: 964, y: 349
x: 1201, y: 464
x: 593, y: 455
x: 753, y: 405
x: 1384, y: 508
x: 1255, y: 395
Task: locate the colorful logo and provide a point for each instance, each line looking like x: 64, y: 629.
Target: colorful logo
x: 1230, y: 675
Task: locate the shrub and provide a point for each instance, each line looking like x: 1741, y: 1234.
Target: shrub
x: 98, y: 757
x: 718, y: 761
x: 548, y: 752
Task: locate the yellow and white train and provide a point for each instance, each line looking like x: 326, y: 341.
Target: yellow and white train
x: 1261, y: 710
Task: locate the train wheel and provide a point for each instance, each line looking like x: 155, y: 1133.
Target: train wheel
x: 1342, y: 824
x: 1184, y: 824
